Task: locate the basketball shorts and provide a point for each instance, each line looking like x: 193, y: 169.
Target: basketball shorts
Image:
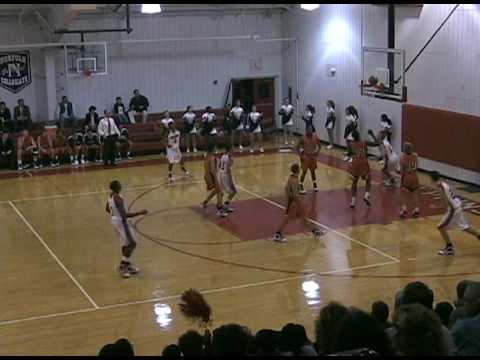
x: 121, y: 232
x: 174, y: 155
x: 226, y: 183
x: 454, y: 219
x: 309, y: 162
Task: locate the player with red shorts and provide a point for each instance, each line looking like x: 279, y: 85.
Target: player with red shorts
x: 360, y: 168
x: 308, y: 148
x: 409, y: 180
x: 211, y: 181
x: 295, y: 208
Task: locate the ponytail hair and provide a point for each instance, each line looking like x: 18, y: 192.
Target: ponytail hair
x: 311, y: 108
x: 331, y: 104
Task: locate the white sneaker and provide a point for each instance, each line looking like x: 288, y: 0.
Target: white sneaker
x: 278, y: 237
x: 352, y: 204
x: 240, y: 148
x: 83, y: 161
x: 329, y: 147
x: 317, y: 233
x: 195, y: 150
x: 20, y: 167
x: 188, y: 174
x: 228, y: 210
x: 75, y: 163
x: 286, y: 142
x: 188, y: 151
x: 222, y: 213
x: 346, y: 158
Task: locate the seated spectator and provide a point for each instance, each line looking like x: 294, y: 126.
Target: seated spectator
x: 7, y: 148
x: 91, y: 118
x: 26, y: 146
x: 6, y: 122
x: 327, y: 320
x: 419, y: 293
x: 267, y: 342
x: 76, y: 143
x: 294, y: 341
x: 444, y: 310
x: 419, y: 332
x: 45, y: 147
x: 380, y: 312
x: 124, y: 144
x: 61, y: 148
x: 459, y: 311
x: 230, y: 340
x: 22, y: 116
x: 358, y: 330
x: 120, y: 110
x: 92, y: 145
x: 191, y: 343
x: 121, y: 348
x: 66, y: 113
x: 466, y: 331
x: 138, y: 105
x: 172, y: 351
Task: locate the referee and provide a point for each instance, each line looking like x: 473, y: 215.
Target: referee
x: 109, y: 131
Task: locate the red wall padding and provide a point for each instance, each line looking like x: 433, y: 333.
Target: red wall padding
x: 444, y: 136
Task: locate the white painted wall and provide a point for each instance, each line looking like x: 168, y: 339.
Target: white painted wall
x: 175, y: 74
x: 334, y: 35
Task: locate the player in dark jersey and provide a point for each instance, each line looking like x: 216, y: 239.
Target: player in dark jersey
x: 61, y: 148
x: 359, y: 168
x: 91, y: 144
x: 124, y: 144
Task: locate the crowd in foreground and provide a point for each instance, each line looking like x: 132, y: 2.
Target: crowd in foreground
x: 417, y: 327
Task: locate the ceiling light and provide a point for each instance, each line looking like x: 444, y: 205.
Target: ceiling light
x: 151, y: 8
x: 309, y: 7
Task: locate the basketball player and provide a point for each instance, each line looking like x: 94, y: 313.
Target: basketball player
x: 359, y: 168
x: 351, y: 117
x: 295, y: 208
x: 390, y: 158
x: 209, y: 129
x: 61, y: 148
x: 237, y: 115
x: 308, y: 118
x: 79, y: 147
x: 330, y: 123
x: 91, y: 144
x: 26, y: 145
x: 174, y: 155
x: 254, y: 125
x: 190, y: 129
x: 45, y: 147
x: 308, y: 149
x: 454, y: 218
x: 225, y: 177
x: 124, y: 144
x: 286, y: 113
x: 211, y: 180
x: 410, y: 183
x: 165, y: 125
x: 119, y: 218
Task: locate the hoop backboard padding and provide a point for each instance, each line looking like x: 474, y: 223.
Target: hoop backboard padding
x: 86, y: 56
x: 383, y: 73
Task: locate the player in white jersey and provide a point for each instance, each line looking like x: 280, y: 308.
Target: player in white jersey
x: 190, y: 129
x: 209, y: 128
x: 255, y: 128
x: 174, y: 155
x: 165, y: 125
x: 237, y: 115
x: 286, y: 113
x: 119, y: 218
x: 225, y: 177
x: 391, y: 161
x: 454, y: 218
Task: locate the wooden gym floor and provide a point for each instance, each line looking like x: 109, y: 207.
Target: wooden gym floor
x: 61, y: 294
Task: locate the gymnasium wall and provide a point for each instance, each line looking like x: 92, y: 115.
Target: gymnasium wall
x: 175, y: 74
x: 34, y: 94
x: 445, y: 77
x: 333, y: 35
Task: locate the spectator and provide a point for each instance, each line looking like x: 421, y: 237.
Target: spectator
x: 358, y: 330
x: 327, y: 320
x: 66, y: 113
x: 351, y: 118
x: 7, y: 148
x: 138, y: 105
x: 330, y: 122
x: 22, y: 116
x: 294, y: 341
x: 172, y: 351
x: 120, y: 110
x: 191, y: 343
x: 444, y: 310
x: 380, y: 312
x: 466, y: 331
x: 267, y: 342
x: 91, y: 119
x: 419, y: 332
x: 121, y: 348
x: 109, y: 131
x: 6, y: 122
x: 459, y: 311
x: 230, y: 340
x: 418, y: 293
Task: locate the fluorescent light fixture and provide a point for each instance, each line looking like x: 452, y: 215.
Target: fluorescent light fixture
x: 309, y: 7
x: 151, y: 8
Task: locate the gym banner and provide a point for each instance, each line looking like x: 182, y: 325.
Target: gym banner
x: 15, y: 72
